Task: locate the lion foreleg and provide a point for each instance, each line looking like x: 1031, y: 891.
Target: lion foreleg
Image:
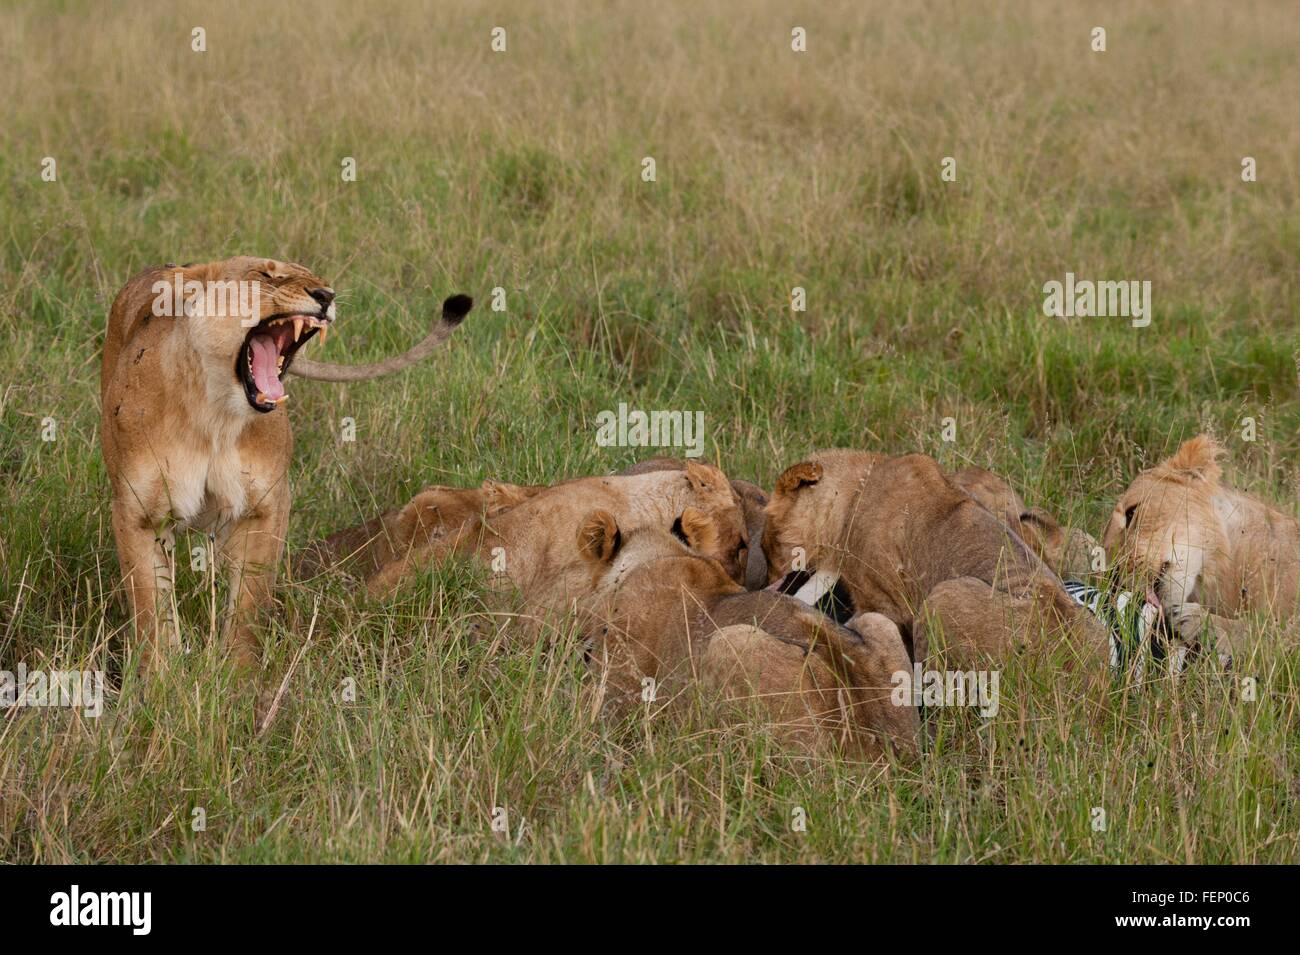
x: 145, y: 556
x: 251, y: 549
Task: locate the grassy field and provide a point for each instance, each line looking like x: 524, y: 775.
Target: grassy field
x: 522, y: 170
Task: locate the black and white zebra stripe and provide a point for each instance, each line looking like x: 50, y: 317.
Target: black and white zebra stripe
x: 1133, y: 628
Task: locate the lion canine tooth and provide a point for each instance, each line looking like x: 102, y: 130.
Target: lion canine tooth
x: 324, y: 331
x: 297, y: 328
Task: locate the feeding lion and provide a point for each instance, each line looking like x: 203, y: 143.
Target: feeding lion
x: 660, y: 610
x: 1206, y: 553
x: 527, y: 540
x: 908, y: 543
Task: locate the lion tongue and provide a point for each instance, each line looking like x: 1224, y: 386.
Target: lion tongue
x: 266, y: 373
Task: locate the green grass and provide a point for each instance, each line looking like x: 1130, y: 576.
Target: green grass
x: 522, y: 170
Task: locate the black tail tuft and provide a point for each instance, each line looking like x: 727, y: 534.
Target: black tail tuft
x: 456, y: 308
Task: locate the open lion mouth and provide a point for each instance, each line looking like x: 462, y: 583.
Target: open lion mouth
x: 267, y: 353
x: 1163, y: 594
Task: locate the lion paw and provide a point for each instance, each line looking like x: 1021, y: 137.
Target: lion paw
x: 1188, y: 620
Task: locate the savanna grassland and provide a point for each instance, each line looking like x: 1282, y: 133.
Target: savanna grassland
x: 522, y: 170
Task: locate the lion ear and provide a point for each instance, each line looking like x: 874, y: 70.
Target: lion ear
x: 500, y: 496
x: 703, y: 477
x: 1039, y: 517
x: 599, y: 538
x: 803, y: 474
x: 1041, y: 531
x: 1198, y: 457
x: 698, y: 529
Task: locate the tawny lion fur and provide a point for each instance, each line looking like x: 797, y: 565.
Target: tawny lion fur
x: 911, y: 545
x: 1212, y: 554
x: 1067, y: 550
x: 660, y: 611
x: 186, y: 441
x: 524, y: 534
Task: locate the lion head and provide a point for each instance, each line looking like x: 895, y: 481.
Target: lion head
x: 1164, y: 530
x: 247, y: 317
x: 648, y: 557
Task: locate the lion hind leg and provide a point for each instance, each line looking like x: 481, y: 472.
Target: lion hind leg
x: 972, y: 624
x: 801, y: 695
x: 749, y: 669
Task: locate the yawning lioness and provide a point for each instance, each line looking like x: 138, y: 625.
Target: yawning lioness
x: 192, y: 427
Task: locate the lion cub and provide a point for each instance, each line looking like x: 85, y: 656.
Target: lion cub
x: 523, y: 534
x: 752, y: 501
x: 1205, y: 553
x: 909, y: 544
x: 660, y: 610
x: 367, y: 548
x: 1067, y: 550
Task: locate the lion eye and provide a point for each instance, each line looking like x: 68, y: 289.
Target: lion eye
x: 1128, y: 514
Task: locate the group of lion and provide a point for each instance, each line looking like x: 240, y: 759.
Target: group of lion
x: 802, y: 606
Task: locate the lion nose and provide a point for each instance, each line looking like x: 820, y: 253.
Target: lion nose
x: 323, y: 295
